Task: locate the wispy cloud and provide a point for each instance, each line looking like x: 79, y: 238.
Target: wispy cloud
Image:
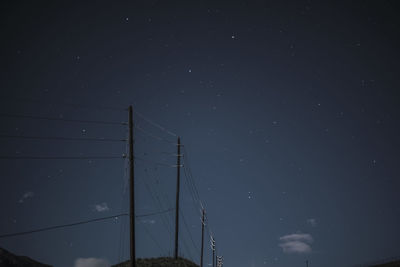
x: 296, y: 243
x: 91, y: 262
x: 149, y: 221
x: 101, y: 207
x: 312, y: 222
x: 28, y: 194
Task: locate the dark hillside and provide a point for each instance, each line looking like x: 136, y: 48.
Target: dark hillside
x: 8, y: 259
x: 388, y: 264
x: 159, y: 262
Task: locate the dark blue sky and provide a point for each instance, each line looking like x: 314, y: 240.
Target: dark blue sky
x: 288, y: 112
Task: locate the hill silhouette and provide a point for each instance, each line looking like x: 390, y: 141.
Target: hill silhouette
x: 159, y: 262
x: 7, y: 259
x: 388, y: 264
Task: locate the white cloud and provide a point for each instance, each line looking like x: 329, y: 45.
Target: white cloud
x: 25, y: 196
x: 296, y: 243
x: 312, y: 222
x: 101, y: 207
x: 91, y: 262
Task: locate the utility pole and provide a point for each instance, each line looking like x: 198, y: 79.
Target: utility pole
x: 213, y: 250
x: 220, y: 261
x: 178, y: 181
x: 306, y: 263
x: 132, y: 191
x: 202, y: 237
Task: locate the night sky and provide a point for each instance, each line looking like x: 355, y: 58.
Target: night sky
x: 288, y: 112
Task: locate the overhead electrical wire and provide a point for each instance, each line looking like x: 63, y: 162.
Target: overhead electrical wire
x: 164, y: 217
x: 80, y: 223
x: 57, y: 157
x: 155, y: 124
x: 152, y: 238
x: 74, y: 105
x: 155, y: 179
x: 187, y: 165
x: 188, y: 230
x: 154, y: 136
x: 62, y: 138
x: 156, y: 162
x: 195, y: 201
x: 63, y: 226
x: 8, y: 115
x: 154, y: 213
x: 158, y: 203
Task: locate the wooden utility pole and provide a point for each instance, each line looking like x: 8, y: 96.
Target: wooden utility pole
x: 132, y: 191
x: 178, y: 181
x: 202, y: 237
x: 213, y: 257
x: 220, y: 260
x: 213, y: 250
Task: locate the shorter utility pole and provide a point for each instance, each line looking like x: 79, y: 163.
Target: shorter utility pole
x: 213, y: 250
x: 178, y: 181
x: 306, y: 263
x: 220, y: 261
x: 203, y: 217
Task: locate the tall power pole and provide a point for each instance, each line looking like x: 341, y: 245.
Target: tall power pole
x: 202, y: 237
x: 178, y: 181
x: 132, y: 191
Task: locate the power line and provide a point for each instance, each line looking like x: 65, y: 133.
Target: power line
x: 152, y: 238
x: 187, y: 229
x: 193, y: 183
x: 80, y: 223
x: 187, y: 249
x: 57, y: 157
x: 156, y: 124
x: 62, y: 138
x: 157, y: 163
x: 153, y: 177
x: 189, y: 188
x: 31, y: 100
x: 158, y: 203
x: 60, y: 119
x: 154, y: 213
x: 154, y: 136
x: 62, y: 226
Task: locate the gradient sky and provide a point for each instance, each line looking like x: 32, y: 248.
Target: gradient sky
x: 289, y: 113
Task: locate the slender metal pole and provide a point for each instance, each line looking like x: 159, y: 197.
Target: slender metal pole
x: 178, y: 181
x: 202, y: 238
x: 132, y: 191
